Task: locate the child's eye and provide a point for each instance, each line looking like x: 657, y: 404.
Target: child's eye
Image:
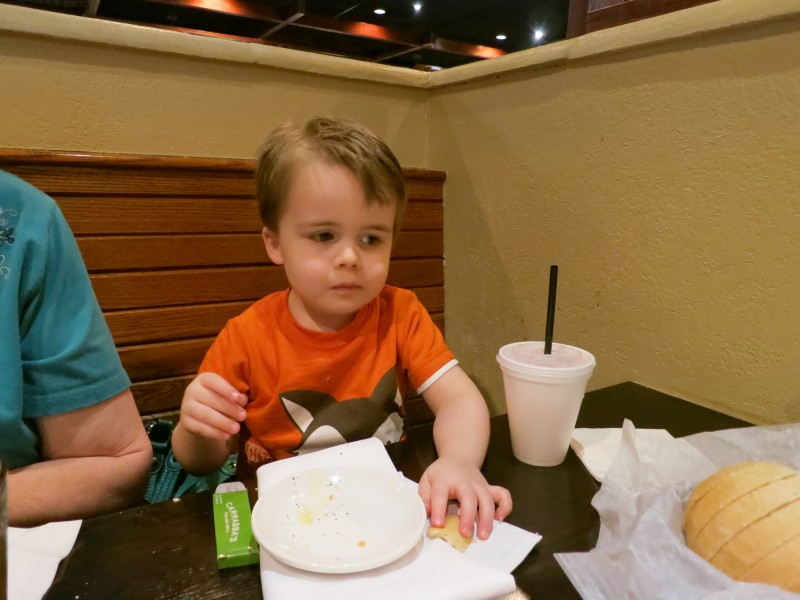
x: 322, y: 236
x: 371, y: 240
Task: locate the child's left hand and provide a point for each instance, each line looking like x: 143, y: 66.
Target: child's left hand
x: 449, y: 478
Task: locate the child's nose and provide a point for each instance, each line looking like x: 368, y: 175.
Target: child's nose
x: 348, y: 256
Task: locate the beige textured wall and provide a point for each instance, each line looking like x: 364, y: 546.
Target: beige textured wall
x: 663, y: 180
x: 664, y: 183
x: 67, y: 95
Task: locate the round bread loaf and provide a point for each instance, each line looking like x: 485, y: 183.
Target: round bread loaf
x: 745, y: 520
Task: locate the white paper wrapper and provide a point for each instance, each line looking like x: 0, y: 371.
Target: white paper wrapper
x: 641, y: 551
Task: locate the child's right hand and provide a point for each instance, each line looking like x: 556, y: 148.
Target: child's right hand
x: 212, y: 408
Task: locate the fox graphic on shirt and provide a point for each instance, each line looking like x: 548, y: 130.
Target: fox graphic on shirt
x: 326, y: 421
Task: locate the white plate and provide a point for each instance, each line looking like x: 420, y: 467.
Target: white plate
x: 339, y: 519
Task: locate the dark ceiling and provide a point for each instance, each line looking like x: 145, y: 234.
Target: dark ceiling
x: 437, y: 35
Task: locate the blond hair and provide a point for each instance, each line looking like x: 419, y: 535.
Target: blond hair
x: 340, y: 141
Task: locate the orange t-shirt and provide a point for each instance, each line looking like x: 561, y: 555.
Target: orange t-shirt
x: 310, y: 390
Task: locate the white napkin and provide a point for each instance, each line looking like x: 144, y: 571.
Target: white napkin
x: 33, y: 557
x: 597, y: 447
x: 433, y: 570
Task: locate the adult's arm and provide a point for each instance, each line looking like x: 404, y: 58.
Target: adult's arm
x: 96, y: 460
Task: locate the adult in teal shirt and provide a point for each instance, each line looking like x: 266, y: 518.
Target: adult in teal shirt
x: 70, y: 432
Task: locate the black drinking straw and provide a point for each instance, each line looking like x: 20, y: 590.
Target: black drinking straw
x: 551, y: 310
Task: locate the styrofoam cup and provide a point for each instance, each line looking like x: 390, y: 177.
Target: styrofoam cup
x: 543, y: 397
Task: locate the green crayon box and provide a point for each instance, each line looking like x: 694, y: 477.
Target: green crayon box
x: 236, y: 546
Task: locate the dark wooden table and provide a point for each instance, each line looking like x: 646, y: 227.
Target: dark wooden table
x: 166, y: 551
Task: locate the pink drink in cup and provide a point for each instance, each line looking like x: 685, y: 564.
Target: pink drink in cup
x: 543, y: 396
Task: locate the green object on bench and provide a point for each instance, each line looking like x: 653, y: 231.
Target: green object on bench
x: 167, y: 478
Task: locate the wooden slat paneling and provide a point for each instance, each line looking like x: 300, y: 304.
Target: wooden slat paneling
x: 419, y: 244
x: 165, y: 359
x: 116, y: 291
x: 425, y: 191
x: 80, y: 179
x: 186, y: 286
x: 126, y: 252
x: 118, y: 253
x: 158, y: 215
x: 149, y: 325
x: 163, y: 395
x: 174, y: 250
x: 11, y: 158
x: 67, y: 172
x: 423, y: 216
x: 431, y: 297
x: 420, y: 272
x: 169, y: 359
x: 159, y: 396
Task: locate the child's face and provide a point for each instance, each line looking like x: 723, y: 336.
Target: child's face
x: 334, y: 247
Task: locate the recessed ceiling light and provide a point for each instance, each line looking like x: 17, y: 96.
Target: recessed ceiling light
x: 500, y: 36
x: 417, y: 6
x: 538, y: 35
x: 380, y: 11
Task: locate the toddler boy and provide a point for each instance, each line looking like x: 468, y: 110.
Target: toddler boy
x: 330, y: 359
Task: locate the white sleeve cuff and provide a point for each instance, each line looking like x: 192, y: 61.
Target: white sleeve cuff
x: 432, y: 379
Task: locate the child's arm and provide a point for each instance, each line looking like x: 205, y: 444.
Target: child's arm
x: 206, y: 433
x: 461, y: 435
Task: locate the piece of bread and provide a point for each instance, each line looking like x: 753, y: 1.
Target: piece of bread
x: 745, y: 520
x: 713, y: 494
x: 450, y: 533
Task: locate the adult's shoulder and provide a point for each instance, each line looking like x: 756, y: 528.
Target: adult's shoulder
x: 29, y: 214
x: 16, y: 194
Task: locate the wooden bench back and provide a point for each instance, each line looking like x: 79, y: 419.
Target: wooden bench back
x: 174, y: 250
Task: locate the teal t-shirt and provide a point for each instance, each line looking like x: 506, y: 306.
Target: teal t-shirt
x: 56, y: 352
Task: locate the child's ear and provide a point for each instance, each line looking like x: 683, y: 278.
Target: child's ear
x: 271, y: 244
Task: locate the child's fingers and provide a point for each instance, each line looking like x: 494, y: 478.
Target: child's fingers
x: 211, y: 425
x: 205, y: 413
x: 218, y: 411
x: 238, y: 399
x: 494, y: 502
x: 424, y: 491
x: 214, y: 392
x: 502, y: 498
x: 213, y: 433
x: 220, y: 386
x: 486, y: 512
x: 438, y: 504
x: 467, y: 510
